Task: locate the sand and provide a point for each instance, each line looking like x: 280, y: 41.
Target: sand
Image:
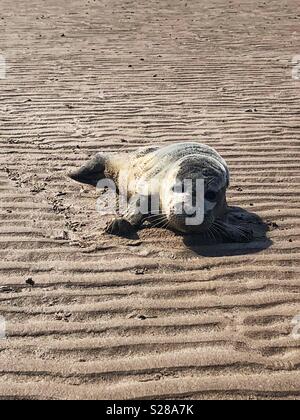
x: 93, y: 316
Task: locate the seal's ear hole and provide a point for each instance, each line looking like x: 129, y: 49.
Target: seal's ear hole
x: 211, y: 195
x: 177, y: 189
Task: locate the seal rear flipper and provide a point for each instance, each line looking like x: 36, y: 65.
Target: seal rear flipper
x: 90, y: 173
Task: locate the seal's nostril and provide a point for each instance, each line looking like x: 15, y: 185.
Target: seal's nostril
x: 211, y: 196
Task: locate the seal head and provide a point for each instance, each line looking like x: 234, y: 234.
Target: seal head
x: 193, y: 195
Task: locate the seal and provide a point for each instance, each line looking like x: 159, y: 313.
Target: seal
x: 154, y: 178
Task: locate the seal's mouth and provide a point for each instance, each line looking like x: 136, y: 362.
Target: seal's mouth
x: 85, y: 177
x: 181, y: 223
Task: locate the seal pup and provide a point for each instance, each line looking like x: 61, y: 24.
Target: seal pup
x: 152, y: 175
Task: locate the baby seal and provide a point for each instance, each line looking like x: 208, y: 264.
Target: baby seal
x: 154, y: 180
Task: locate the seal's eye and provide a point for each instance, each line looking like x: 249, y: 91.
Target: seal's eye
x: 211, y: 196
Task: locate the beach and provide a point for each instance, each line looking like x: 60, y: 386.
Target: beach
x: 93, y: 316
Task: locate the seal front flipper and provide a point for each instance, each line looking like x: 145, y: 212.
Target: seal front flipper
x: 92, y: 172
x: 132, y: 219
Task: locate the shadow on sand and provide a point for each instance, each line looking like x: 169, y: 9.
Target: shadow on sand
x: 203, y: 245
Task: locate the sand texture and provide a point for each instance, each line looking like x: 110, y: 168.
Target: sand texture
x: 160, y: 316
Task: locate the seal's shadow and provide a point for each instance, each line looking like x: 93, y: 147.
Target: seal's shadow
x: 207, y: 246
